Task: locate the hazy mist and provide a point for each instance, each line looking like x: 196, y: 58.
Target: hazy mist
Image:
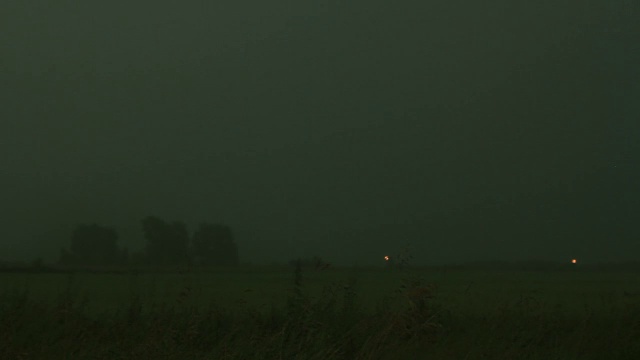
x: 469, y: 130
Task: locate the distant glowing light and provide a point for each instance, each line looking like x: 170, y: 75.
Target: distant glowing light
x: 574, y: 261
x: 386, y: 258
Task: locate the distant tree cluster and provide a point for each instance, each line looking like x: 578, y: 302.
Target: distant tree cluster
x: 93, y: 245
x: 166, y: 244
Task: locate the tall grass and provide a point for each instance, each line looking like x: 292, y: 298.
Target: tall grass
x: 409, y: 323
x: 330, y: 326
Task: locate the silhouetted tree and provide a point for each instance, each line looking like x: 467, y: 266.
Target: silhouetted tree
x: 213, y: 244
x: 167, y: 244
x: 92, y: 245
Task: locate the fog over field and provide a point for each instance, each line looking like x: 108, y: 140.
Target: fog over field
x: 469, y: 130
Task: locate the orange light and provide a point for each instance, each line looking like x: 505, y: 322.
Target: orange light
x: 386, y: 258
x: 573, y: 261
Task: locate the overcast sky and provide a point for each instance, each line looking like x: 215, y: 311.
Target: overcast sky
x: 469, y: 130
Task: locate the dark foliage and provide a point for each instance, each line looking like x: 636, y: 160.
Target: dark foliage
x: 93, y: 245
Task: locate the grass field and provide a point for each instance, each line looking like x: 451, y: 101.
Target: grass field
x: 340, y: 313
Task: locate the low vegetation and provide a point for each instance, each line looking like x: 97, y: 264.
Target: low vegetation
x: 328, y: 314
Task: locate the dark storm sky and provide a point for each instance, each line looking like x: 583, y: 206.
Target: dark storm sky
x: 347, y: 129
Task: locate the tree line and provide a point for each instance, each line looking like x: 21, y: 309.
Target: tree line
x: 166, y: 244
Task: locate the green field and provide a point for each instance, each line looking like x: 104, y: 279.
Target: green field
x: 471, y: 314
